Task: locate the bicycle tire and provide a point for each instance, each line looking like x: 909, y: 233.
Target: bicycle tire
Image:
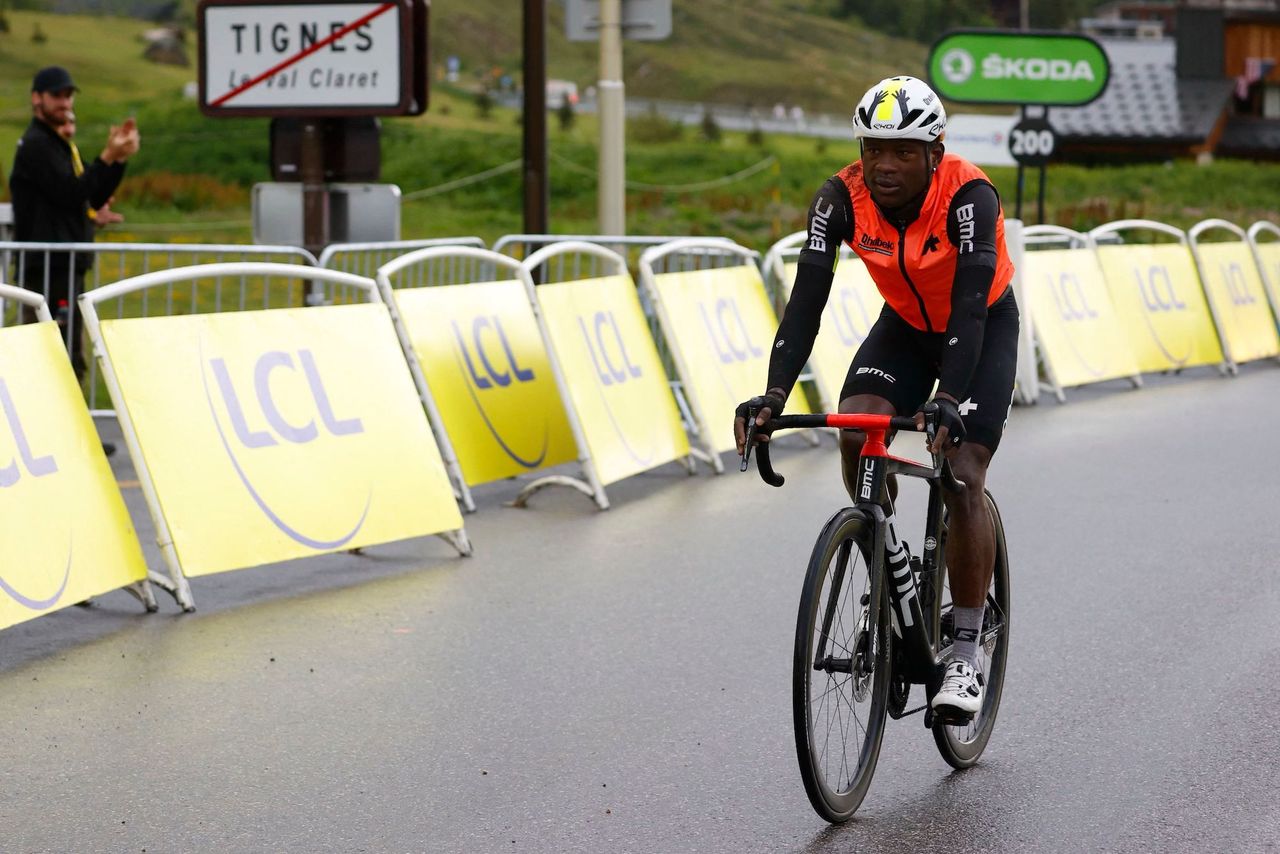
x: 853, y: 624
x: 962, y: 746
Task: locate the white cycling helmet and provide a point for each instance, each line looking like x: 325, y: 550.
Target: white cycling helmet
x: 900, y: 108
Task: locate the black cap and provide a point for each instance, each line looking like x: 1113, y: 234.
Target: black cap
x: 55, y: 78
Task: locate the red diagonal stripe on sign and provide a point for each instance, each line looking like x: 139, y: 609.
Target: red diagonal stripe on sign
x: 333, y: 37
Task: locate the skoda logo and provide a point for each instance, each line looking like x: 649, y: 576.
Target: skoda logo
x: 957, y: 65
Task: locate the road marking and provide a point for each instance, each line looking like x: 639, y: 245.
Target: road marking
x: 360, y: 22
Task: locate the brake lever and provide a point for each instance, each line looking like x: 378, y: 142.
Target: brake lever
x: 940, y: 462
x: 751, y: 435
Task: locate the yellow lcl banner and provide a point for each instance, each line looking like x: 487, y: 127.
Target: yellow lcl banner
x: 1240, y: 302
x: 1269, y: 261
x: 1157, y: 295
x: 280, y: 434
x: 1076, y: 325
x: 615, y: 378
x: 64, y: 532
x: 851, y: 310
x: 722, y: 327
x: 483, y: 357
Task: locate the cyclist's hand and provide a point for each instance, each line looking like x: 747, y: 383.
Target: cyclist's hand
x: 764, y: 407
x: 950, y: 425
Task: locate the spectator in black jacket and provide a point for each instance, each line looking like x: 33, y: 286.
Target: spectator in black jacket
x: 53, y: 192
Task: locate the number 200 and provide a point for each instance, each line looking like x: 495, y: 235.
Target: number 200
x: 1032, y: 142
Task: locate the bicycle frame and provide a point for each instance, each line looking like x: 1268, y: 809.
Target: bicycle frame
x: 891, y: 560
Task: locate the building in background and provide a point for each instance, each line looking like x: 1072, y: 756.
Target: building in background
x: 1188, y: 79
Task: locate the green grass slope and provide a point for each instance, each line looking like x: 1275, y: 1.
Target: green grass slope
x: 191, y: 180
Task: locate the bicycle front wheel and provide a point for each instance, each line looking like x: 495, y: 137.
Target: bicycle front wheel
x: 961, y: 746
x: 840, y: 677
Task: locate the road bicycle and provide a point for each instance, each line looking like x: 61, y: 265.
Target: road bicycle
x: 875, y: 619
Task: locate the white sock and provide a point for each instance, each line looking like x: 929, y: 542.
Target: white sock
x: 968, y: 628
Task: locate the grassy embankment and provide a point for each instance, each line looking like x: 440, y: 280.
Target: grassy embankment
x: 191, y: 181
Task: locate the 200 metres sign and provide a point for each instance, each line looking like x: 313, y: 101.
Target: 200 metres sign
x: 1018, y: 67
x: 317, y: 59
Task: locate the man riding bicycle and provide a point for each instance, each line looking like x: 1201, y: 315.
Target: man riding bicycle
x: 929, y: 227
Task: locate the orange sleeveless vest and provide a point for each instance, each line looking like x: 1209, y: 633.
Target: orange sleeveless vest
x: 914, y: 269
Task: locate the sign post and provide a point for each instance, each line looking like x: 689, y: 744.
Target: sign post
x: 1020, y: 67
x: 313, y: 61
x: 610, y: 21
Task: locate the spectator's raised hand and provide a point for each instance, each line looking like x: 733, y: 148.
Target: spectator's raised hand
x: 123, y: 142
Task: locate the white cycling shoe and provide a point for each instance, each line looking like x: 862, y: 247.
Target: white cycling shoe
x: 961, y: 693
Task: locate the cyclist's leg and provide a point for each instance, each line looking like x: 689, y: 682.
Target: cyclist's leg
x: 985, y: 408
x: 971, y: 544
x: 889, y: 375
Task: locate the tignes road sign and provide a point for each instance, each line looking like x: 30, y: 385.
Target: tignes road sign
x: 1018, y: 67
x: 312, y: 58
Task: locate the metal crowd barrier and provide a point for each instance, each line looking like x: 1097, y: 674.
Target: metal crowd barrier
x: 364, y: 259
x: 572, y: 266
x: 29, y: 262
x: 585, y: 266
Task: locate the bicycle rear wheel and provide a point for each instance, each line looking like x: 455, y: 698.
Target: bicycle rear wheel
x: 840, y: 676
x: 961, y: 746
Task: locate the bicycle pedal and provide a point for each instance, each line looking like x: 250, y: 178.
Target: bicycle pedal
x: 951, y: 717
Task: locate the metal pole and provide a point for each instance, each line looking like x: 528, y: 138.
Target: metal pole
x: 1043, y: 167
x: 613, y: 123
x: 1040, y: 202
x: 536, y: 193
x: 1017, y: 207
x: 315, y: 200
x: 315, y: 210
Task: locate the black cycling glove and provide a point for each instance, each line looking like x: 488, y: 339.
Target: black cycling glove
x: 748, y: 408
x: 948, y: 415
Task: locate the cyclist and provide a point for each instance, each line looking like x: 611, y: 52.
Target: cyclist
x: 929, y: 227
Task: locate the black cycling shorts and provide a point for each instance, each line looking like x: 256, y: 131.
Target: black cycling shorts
x: 900, y: 363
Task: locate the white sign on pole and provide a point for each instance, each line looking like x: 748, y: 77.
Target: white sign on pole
x: 338, y: 57
x: 981, y: 139
x: 643, y: 20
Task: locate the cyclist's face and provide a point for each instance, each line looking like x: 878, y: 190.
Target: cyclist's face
x: 897, y: 170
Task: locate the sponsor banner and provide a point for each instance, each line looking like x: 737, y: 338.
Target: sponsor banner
x: 1016, y: 67
x: 64, y: 532
x: 723, y: 327
x: 484, y: 359
x: 1239, y: 300
x: 1157, y: 295
x: 1269, y: 260
x: 852, y: 307
x: 280, y: 434
x: 1078, y: 329
x: 615, y: 378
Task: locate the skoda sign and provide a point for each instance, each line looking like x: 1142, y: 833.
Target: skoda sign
x: 1018, y: 67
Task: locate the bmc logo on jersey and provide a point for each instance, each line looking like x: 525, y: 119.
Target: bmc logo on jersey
x: 818, y: 227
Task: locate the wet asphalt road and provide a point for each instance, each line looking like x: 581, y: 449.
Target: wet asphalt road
x: 619, y: 681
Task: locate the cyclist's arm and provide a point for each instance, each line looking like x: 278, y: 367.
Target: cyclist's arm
x: 976, y: 206
x: 830, y: 223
